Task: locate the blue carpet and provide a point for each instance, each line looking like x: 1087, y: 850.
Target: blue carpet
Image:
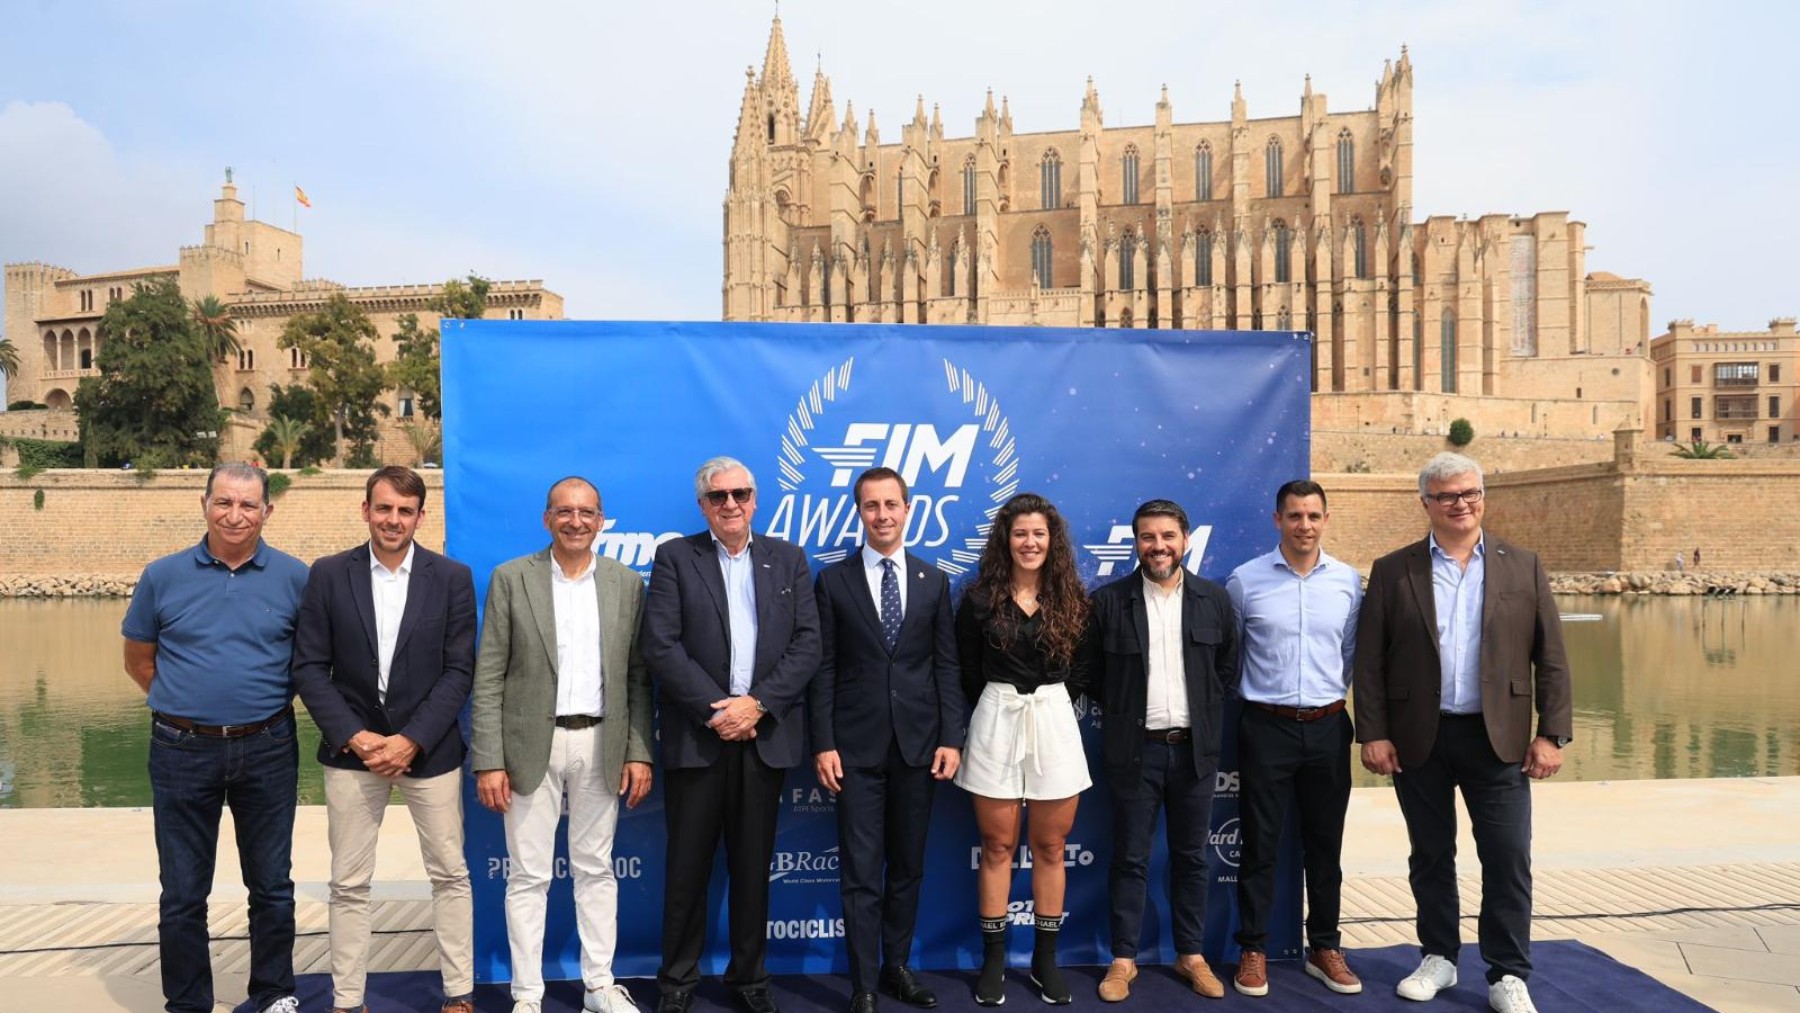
x: 1568, y: 977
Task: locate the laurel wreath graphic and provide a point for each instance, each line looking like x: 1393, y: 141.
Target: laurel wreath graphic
x: 984, y: 408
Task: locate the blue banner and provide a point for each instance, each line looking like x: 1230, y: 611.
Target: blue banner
x: 1097, y: 420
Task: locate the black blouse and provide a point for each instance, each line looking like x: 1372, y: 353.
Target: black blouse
x: 1022, y: 664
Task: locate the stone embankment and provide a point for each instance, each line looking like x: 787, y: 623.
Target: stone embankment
x: 81, y: 585
x: 1677, y: 584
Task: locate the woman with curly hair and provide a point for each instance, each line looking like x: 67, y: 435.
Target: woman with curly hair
x: 1019, y: 636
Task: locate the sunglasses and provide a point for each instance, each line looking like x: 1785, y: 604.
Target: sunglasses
x: 717, y: 497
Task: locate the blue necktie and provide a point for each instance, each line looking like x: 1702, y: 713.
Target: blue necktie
x: 890, y: 604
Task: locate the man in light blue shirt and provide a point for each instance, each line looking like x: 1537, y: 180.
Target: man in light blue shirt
x: 1296, y: 611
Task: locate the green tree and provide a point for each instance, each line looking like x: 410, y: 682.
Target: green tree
x: 427, y: 443
x: 218, y: 331
x: 296, y: 402
x: 1461, y: 432
x: 1700, y: 450
x: 154, y: 402
x: 288, y: 434
x: 339, y: 343
x: 9, y: 357
x: 416, y: 364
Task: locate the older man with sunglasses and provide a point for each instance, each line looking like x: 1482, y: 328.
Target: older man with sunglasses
x: 731, y: 637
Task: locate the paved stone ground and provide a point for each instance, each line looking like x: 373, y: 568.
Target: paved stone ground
x: 1697, y: 883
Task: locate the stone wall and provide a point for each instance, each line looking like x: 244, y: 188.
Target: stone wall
x: 1337, y: 452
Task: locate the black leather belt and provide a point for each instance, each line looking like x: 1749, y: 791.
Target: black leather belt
x: 1172, y: 736
x: 1299, y: 713
x: 576, y: 722
x: 223, y: 731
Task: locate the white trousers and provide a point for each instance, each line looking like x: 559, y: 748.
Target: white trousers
x: 531, y: 844
x: 1023, y: 745
x: 355, y: 802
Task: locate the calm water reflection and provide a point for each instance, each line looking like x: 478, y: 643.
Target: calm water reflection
x: 1664, y: 688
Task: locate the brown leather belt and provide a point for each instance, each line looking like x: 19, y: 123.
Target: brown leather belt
x: 576, y: 722
x: 1172, y: 736
x: 223, y: 731
x: 1299, y: 713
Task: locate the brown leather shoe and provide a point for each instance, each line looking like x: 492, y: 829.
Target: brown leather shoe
x: 459, y: 1006
x: 1252, y: 977
x: 1192, y: 969
x: 1328, y: 966
x: 1117, y: 983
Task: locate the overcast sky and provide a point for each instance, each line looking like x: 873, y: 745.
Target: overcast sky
x: 585, y: 143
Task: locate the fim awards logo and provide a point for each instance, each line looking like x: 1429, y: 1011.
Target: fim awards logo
x: 1121, y: 547
x: 947, y: 438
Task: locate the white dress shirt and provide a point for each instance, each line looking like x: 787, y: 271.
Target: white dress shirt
x: 740, y: 612
x: 576, y: 602
x: 1166, y: 706
x: 872, y: 570
x: 388, y: 589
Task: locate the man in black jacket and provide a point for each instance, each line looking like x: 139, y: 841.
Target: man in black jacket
x: 1166, y: 658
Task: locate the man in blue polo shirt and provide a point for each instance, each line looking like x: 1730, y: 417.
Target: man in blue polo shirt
x: 208, y: 637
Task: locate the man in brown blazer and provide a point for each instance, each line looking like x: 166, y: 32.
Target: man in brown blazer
x: 1458, y: 643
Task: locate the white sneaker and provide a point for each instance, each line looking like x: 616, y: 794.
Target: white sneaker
x: 528, y: 1006
x: 285, y: 1004
x: 610, y: 999
x: 1508, y: 995
x: 1435, y: 974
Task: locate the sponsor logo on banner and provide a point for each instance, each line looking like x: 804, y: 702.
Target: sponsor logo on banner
x: 1228, y: 842
x: 1021, y: 912
x: 636, y: 549
x: 1087, y: 711
x: 804, y: 867
x: 1073, y: 855
x: 624, y: 867
x: 807, y: 928
x: 811, y: 800
x: 1120, y: 547
x: 952, y: 444
x: 1225, y: 784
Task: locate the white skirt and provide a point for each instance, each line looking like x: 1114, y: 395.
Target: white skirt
x: 1024, y: 745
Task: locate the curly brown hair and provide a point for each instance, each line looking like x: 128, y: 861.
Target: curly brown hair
x: 1061, y: 598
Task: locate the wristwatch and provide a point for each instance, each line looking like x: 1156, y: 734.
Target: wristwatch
x: 1560, y: 740
x: 760, y: 709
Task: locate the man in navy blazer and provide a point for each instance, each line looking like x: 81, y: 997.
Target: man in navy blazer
x: 384, y: 652
x: 888, y: 722
x: 731, y: 637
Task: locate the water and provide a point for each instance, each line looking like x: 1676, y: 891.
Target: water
x: 1664, y: 688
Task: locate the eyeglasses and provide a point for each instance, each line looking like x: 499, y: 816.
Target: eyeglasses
x: 567, y: 513
x: 717, y: 496
x: 1448, y: 499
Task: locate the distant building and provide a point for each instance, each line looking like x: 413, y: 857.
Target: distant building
x: 52, y: 315
x: 1727, y: 386
x: 1300, y: 222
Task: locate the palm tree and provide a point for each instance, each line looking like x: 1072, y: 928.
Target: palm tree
x: 218, y: 331
x: 427, y: 443
x: 1700, y: 450
x: 9, y: 357
x: 288, y: 433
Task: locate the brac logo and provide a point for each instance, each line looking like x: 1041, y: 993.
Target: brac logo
x: 1121, y: 547
x: 951, y: 443
x: 804, y: 866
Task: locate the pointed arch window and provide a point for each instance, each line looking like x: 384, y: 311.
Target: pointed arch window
x: 1050, y: 180
x: 1040, y: 257
x: 969, y: 185
x: 1128, y: 260
x: 1272, y: 167
x: 1128, y: 172
x: 1359, y: 241
x: 1203, y: 171
x: 1284, y: 267
x: 1346, y: 162
x: 1447, y: 352
x: 1203, y: 255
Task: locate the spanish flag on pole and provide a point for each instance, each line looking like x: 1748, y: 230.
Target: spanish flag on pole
x: 300, y: 195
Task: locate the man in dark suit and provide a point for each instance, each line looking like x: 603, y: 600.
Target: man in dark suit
x: 384, y: 650
x: 731, y: 637
x: 1166, y: 658
x: 888, y: 722
x: 1459, y: 637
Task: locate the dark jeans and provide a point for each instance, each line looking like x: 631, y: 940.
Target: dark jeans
x: 191, y: 777
x: 1498, y: 797
x: 1307, y: 763
x: 1167, y: 781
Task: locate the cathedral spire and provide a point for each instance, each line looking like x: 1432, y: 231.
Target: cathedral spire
x: 820, y: 115
x: 776, y: 69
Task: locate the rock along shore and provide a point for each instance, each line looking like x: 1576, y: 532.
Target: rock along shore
x: 104, y: 585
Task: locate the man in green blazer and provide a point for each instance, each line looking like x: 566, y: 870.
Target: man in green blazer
x: 562, y: 703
